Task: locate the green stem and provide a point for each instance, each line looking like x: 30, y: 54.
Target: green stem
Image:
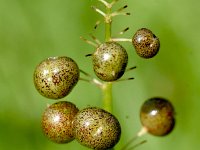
x: 108, y: 22
x: 107, y: 31
x: 107, y: 86
x: 107, y: 96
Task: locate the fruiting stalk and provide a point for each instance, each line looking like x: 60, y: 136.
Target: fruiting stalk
x: 142, y: 132
x: 107, y: 86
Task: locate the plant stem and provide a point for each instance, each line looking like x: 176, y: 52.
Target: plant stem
x: 107, y: 86
x: 108, y: 31
x: 108, y: 22
x: 107, y: 96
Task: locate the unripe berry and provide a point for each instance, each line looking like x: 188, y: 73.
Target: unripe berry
x: 146, y: 43
x: 109, y: 61
x: 57, y: 121
x: 96, y: 128
x: 55, y: 77
x: 157, y: 116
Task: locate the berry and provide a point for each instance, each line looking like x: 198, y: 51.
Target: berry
x: 109, y: 61
x: 57, y: 121
x: 96, y: 128
x: 157, y: 116
x: 55, y: 77
x: 146, y: 43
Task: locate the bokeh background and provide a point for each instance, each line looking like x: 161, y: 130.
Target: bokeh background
x: 32, y: 30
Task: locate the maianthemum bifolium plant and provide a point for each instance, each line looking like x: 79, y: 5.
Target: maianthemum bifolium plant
x: 96, y: 127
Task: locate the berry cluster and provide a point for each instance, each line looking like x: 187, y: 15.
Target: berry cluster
x: 94, y: 127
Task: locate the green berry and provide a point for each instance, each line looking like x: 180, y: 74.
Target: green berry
x: 96, y: 128
x: 146, y: 43
x: 109, y: 61
x: 157, y: 116
x: 55, y: 77
x: 57, y: 121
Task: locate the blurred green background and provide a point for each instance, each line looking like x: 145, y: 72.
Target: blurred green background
x: 32, y: 30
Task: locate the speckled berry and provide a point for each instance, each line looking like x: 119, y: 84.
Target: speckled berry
x: 96, y: 128
x: 109, y: 61
x: 55, y: 77
x: 57, y: 121
x: 146, y: 43
x: 157, y: 116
